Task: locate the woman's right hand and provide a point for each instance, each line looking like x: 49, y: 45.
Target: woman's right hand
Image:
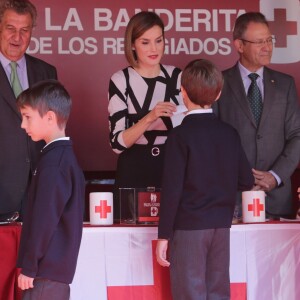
x: 133, y: 133
x: 161, y: 109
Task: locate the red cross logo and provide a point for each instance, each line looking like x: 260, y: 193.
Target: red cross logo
x: 256, y: 207
x: 284, y: 28
x: 103, y: 209
x: 154, y: 211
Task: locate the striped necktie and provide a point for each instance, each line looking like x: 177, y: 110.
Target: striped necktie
x: 14, y: 79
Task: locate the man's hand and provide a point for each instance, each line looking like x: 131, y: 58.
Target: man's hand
x: 264, y: 181
x: 25, y: 282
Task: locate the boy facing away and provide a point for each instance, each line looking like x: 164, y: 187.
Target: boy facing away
x: 204, y: 167
x: 52, y: 224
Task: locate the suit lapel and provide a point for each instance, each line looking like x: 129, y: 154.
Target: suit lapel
x: 269, y: 94
x: 7, y: 92
x: 31, y: 71
x: 236, y: 85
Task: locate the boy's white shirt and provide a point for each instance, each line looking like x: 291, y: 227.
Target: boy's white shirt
x: 200, y: 111
x: 66, y: 138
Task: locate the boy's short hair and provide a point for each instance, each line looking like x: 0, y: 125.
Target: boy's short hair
x: 202, y: 82
x: 48, y: 95
x: 137, y: 26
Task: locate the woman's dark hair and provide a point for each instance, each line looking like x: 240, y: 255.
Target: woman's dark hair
x: 136, y: 27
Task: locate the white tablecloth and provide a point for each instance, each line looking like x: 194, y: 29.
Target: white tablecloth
x: 116, y: 263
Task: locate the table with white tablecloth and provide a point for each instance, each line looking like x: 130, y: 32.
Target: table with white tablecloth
x: 118, y: 263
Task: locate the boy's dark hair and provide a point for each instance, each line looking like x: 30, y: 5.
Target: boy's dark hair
x: 243, y: 21
x: 136, y: 27
x: 21, y: 7
x: 48, y: 95
x: 202, y: 82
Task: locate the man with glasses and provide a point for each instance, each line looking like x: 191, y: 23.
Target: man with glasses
x: 18, y: 71
x: 262, y: 104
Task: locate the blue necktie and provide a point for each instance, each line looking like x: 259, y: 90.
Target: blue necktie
x: 14, y: 79
x: 255, y: 98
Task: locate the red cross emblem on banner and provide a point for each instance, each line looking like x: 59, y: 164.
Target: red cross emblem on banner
x: 256, y: 207
x: 287, y: 28
x: 103, y: 209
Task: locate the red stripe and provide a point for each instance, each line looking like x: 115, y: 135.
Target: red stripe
x: 161, y: 289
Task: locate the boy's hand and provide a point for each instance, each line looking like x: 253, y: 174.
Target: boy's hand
x: 25, y: 282
x: 161, y: 253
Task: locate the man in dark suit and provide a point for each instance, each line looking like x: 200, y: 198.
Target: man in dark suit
x: 269, y: 122
x: 18, y: 154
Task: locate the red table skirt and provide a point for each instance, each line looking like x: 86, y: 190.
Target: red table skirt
x: 9, y: 244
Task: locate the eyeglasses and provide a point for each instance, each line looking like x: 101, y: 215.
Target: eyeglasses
x: 260, y: 43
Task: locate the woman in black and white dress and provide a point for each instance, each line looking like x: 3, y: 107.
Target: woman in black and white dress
x: 142, y: 99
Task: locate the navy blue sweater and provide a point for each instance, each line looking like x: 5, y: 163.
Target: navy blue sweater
x: 205, y: 165
x: 52, y: 224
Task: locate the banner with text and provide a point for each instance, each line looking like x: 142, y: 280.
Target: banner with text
x: 85, y: 41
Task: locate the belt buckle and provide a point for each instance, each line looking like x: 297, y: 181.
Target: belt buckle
x: 155, y: 151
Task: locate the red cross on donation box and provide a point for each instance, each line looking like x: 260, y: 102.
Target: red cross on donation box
x: 256, y: 207
x: 103, y: 209
x: 253, y: 206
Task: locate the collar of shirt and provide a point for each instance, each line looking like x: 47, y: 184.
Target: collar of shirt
x: 247, y: 81
x: 200, y: 111
x: 22, y: 70
x: 66, y: 138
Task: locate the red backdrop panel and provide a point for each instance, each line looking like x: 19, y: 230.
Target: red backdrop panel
x: 84, y: 40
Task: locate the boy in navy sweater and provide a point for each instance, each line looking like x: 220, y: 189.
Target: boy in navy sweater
x: 204, y: 167
x: 52, y: 224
